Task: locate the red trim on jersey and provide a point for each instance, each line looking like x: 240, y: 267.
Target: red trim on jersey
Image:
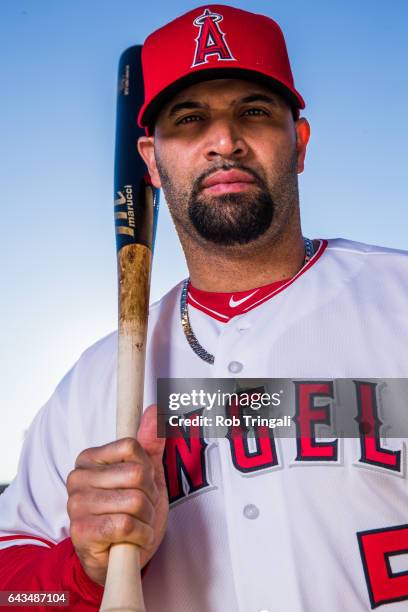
x: 218, y: 304
x: 224, y: 306
x: 26, y: 537
x: 29, y: 567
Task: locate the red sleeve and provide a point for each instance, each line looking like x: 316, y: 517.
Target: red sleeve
x: 36, y: 568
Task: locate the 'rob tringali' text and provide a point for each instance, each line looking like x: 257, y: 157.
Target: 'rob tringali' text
x: 245, y: 420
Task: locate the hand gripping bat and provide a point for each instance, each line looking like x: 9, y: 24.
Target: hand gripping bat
x: 136, y: 209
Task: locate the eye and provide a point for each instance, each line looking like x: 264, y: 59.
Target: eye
x: 188, y: 119
x: 254, y: 112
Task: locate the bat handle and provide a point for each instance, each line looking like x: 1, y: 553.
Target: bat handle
x: 123, y: 586
x: 123, y: 590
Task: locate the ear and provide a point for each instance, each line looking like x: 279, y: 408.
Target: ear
x: 302, y: 138
x: 145, y: 146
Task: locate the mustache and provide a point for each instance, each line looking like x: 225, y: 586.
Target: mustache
x: 197, y: 183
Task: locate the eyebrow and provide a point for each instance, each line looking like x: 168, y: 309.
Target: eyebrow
x: 187, y: 105
x: 258, y: 97
x: 192, y: 104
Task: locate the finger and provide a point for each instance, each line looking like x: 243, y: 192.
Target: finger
x: 101, y: 531
x: 125, y: 449
x: 147, y: 436
x: 127, y: 475
x: 123, y: 501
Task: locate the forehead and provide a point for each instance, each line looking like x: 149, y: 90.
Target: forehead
x: 215, y: 91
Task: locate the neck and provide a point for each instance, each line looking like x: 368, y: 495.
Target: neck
x: 230, y: 269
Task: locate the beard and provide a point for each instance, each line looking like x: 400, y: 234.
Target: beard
x: 232, y: 218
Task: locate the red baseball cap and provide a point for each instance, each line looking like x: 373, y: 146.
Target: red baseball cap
x: 213, y: 42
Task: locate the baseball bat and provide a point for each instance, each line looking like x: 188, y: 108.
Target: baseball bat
x: 136, y: 209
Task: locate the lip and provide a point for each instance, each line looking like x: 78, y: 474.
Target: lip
x: 228, y: 181
x: 227, y: 177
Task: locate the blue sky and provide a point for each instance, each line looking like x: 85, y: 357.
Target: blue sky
x: 58, y: 64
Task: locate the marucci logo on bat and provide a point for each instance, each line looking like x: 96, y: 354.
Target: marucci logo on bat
x: 124, y: 81
x: 127, y: 215
x: 121, y: 199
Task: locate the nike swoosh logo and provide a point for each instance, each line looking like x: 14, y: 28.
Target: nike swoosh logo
x: 234, y: 303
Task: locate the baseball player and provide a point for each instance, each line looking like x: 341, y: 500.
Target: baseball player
x: 283, y: 525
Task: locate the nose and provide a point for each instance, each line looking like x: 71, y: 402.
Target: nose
x: 224, y: 140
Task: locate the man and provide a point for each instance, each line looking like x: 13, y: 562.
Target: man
x: 284, y: 527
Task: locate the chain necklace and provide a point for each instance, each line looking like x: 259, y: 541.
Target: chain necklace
x: 185, y: 320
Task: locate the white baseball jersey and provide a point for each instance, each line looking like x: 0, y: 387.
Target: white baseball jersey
x: 277, y: 529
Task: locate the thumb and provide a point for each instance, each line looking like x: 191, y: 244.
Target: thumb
x: 147, y: 434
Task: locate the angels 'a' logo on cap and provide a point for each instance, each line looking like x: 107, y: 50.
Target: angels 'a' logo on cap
x: 210, y: 40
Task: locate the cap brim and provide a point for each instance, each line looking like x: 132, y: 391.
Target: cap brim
x: 148, y: 114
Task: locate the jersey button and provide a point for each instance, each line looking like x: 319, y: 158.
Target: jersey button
x: 251, y: 511
x: 235, y: 366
